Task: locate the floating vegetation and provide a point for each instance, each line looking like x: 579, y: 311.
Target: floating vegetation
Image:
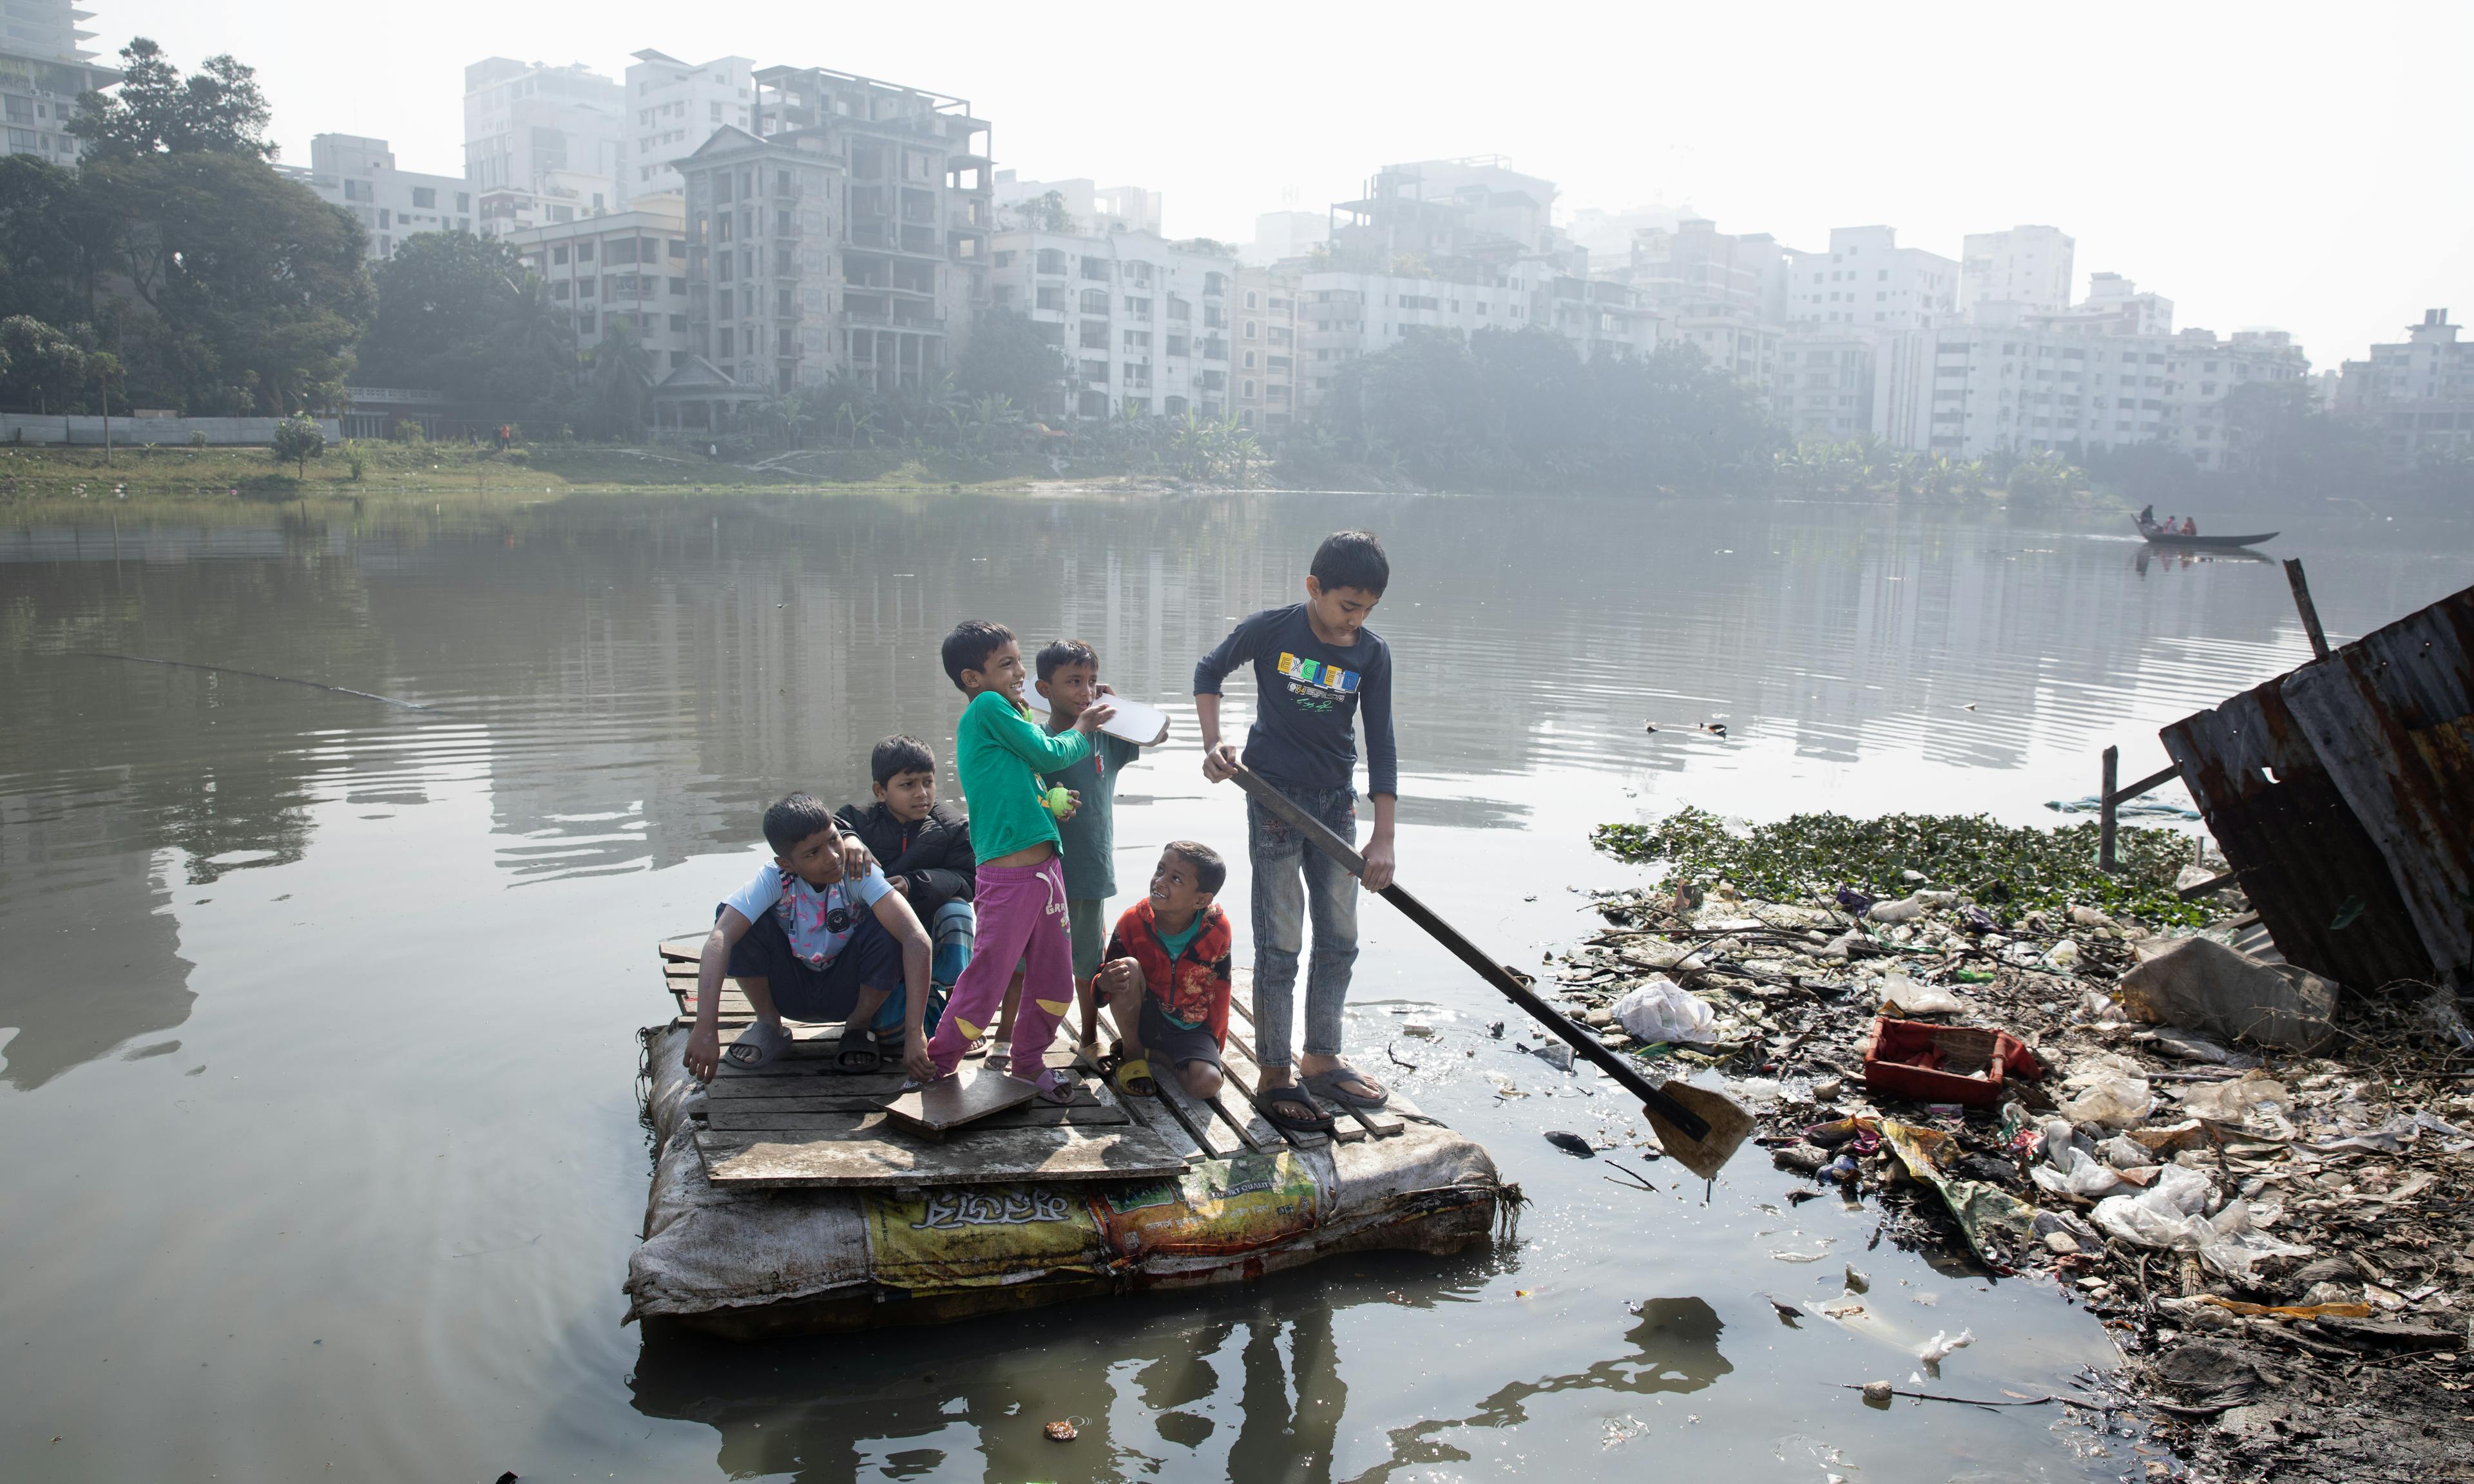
x: 2009, y: 871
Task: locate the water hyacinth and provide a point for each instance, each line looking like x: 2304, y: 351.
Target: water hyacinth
x: 2009, y: 871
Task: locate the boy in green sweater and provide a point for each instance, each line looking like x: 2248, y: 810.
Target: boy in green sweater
x: 999, y: 753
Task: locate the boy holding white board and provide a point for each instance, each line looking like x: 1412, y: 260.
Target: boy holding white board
x: 1068, y: 681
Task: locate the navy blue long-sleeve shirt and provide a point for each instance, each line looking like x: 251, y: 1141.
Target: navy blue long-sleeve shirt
x: 1308, y: 697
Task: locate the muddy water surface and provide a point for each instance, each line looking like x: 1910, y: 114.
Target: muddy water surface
x: 317, y: 1012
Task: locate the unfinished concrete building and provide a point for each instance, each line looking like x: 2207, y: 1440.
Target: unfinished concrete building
x: 1465, y: 220
x: 846, y: 233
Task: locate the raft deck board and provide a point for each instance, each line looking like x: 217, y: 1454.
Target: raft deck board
x: 800, y: 1123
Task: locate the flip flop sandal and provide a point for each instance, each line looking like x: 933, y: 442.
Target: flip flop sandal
x: 1291, y: 1108
x: 1057, y: 1088
x: 1132, y: 1076
x: 1330, y: 1085
x: 857, y: 1054
x: 757, y: 1046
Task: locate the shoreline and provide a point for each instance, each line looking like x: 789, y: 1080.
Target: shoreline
x: 2345, y: 1359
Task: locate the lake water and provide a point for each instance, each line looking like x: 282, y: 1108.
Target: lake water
x: 318, y: 1013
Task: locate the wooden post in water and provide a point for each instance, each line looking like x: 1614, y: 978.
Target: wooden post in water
x: 2303, y: 605
x: 2106, y: 820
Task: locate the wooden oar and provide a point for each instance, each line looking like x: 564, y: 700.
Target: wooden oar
x: 1700, y: 1128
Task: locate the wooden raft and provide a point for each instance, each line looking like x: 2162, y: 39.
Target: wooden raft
x: 800, y: 1123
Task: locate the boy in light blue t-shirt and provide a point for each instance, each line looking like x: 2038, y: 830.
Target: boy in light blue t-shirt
x: 816, y: 935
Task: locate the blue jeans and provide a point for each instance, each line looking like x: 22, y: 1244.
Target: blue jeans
x: 953, y: 932
x: 1294, y: 881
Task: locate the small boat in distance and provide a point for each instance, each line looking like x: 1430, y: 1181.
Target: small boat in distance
x: 2159, y: 535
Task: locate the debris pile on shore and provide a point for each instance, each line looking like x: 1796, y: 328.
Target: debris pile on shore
x: 2261, y: 1185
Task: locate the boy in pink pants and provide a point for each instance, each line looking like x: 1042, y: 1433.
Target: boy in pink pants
x: 999, y: 753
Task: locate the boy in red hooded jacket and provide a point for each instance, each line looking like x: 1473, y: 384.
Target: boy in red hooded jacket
x: 1165, y: 974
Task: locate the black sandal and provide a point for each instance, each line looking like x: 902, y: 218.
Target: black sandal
x: 857, y: 1054
x: 1290, y: 1108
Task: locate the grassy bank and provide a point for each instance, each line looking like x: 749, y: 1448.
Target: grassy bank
x: 34, y: 474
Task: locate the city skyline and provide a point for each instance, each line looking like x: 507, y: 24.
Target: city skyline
x: 1863, y: 120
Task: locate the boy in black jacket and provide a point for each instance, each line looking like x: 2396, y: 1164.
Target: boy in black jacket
x: 923, y: 848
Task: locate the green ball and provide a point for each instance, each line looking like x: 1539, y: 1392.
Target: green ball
x: 1059, y: 800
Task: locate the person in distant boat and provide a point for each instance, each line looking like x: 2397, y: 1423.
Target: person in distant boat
x: 817, y: 936
x: 923, y: 847
x: 1166, y: 975
x: 2147, y: 516
x: 2190, y: 527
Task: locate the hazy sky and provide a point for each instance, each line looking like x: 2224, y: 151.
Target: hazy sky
x: 2302, y: 167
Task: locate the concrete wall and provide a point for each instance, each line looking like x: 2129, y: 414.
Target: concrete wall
x: 137, y: 432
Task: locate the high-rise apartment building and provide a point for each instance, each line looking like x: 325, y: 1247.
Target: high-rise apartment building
x: 43, y: 68
x: 46, y: 29
x: 1144, y: 322
x: 2418, y: 393
x: 1866, y: 279
x: 360, y: 176
x: 524, y: 122
x: 847, y: 231
x: 673, y: 106
x: 1285, y: 235
x: 2028, y: 266
x: 1266, y: 320
x: 624, y: 273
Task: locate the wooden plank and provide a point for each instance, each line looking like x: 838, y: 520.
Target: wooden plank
x: 1193, y: 1120
x: 874, y: 1154
x: 1243, y: 1074
x: 689, y: 949
x: 951, y: 1102
x: 771, y: 1083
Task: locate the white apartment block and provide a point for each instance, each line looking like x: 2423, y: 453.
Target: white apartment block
x: 2201, y: 371
x: 622, y: 272
x: 359, y: 175
x: 1840, y: 382
x: 1146, y: 324
x: 38, y: 89
x: 2030, y: 388
x: 1343, y: 315
x: 45, y: 29
x: 2418, y: 391
x: 1266, y: 372
x: 2114, y: 306
x: 847, y: 234
x: 524, y: 122
x: 673, y: 108
x: 1285, y: 235
x: 2028, y: 266
x: 1094, y: 208
x: 1866, y: 279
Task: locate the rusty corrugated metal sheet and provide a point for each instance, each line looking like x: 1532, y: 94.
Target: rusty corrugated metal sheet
x: 2302, y: 855
x: 2391, y: 718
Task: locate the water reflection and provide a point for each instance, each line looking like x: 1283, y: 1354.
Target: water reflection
x: 1675, y: 1349
x: 1232, y: 1385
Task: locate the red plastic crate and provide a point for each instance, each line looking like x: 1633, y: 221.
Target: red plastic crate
x: 1933, y: 1064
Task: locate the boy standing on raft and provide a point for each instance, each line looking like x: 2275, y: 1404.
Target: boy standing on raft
x: 1315, y: 668
x: 999, y: 753
x: 1069, y: 680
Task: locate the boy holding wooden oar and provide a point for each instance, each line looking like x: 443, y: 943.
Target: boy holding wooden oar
x: 1316, y: 668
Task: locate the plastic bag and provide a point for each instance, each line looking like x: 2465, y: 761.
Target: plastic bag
x: 1663, y: 1010
x: 2166, y: 1214
x: 2078, y: 1173
x: 2112, y: 1091
x: 2125, y: 1152
x: 1907, y: 909
x: 1906, y: 997
x: 1941, y: 1345
x: 2235, y: 1101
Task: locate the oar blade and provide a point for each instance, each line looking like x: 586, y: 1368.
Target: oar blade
x: 1730, y: 1125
